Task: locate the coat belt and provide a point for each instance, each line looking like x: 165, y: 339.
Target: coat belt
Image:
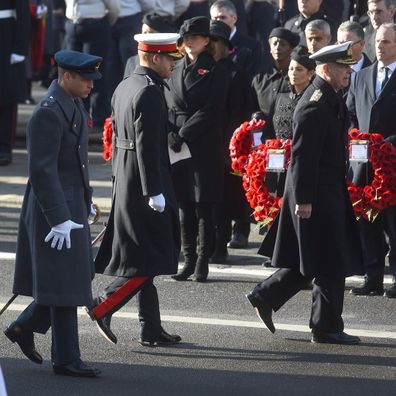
x: 125, y: 144
x: 4, y: 14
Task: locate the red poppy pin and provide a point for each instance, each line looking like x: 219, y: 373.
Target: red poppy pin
x: 89, y: 122
x: 202, y: 72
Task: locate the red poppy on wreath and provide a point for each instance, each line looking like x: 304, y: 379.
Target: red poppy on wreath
x: 368, y: 201
x: 107, y: 139
x: 241, y: 145
x: 202, y: 72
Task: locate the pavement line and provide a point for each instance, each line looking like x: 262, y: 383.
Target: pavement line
x: 391, y: 335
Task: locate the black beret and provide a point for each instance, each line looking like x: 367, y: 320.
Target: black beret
x: 292, y: 38
x: 301, y: 55
x: 219, y: 29
x: 84, y: 64
x: 197, y: 26
x: 159, y: 23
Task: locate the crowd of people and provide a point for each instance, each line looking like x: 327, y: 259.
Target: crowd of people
x: 303, y: 69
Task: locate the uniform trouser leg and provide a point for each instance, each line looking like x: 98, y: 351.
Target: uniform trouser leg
x: 373, y: 245
x: 189, y: 232
x: 8, y: 115
x: 280, y: 287
x: 390, y: 228
x: 223, y: 228
x: 118, y: 293
x: 63, y: 320
x: 149, y: 312
x: 327, y: 304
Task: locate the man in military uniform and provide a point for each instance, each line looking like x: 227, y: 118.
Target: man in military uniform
x: 142, y: 238
x: 54, y: 264
x: 315, y: 235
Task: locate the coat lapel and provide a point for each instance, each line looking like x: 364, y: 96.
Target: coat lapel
x: 198, y: 71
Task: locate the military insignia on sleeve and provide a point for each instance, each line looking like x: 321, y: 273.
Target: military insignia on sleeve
x: 317, y: 94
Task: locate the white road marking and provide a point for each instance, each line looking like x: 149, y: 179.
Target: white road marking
x: 391, y: 335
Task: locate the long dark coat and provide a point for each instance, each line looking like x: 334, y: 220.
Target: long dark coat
x: 139, y: 240
x: 57, y: 190
x: 328, y: 242
x: 14, y: 33
x: 196, y: 102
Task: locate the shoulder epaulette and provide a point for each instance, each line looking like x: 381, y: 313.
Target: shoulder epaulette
x: 48, y: 102
x: 317, y: 94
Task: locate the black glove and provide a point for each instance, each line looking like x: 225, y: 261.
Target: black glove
x: 175, y: 141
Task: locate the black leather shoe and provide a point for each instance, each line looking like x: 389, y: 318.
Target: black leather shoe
x: 76, y: 369
x: 25, y: 340
x: 342, y: 338
x: 391, y: 292
x: 368, y: 288
x: 263, y: 310
x: 163, y: 339
x: 238, y: 241
x: 185, y: 273
x: 200, y: 278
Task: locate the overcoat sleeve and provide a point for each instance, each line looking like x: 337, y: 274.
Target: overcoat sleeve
x: 308, y: 138
x: 201, y: 121
x: 350, y: 102
x: 44, y: 142
x: 22, y: 31
x: 148, y: 139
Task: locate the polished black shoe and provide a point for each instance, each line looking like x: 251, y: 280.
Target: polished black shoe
x: 368, y: 288
x: 391, y: 292
x: 184, y: 273
x: 76, y: 369
x: 266, y: 262
x: 25, y: 340
x: 263, y: 311
x: 238, y: 241
x: 163, y: 339
x: 5, y: 159
x: 342, y: 338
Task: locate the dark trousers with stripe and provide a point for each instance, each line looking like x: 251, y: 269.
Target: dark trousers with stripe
x: 327, y: 297
x: 63, y: 321
x: 121, y: 290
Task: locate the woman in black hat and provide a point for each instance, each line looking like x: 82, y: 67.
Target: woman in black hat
x: 196, y: 101
x: 234, y: 205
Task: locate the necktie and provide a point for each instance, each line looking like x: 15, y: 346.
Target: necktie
x: 385, y: 80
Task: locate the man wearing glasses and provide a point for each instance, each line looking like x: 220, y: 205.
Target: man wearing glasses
x: 379, y: 12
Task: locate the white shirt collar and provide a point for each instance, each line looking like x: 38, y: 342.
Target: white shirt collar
x: 233, y: 32
x: 392, y: 66
x: 358, y: 66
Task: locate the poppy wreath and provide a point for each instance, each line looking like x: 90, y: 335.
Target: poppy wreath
x: 107, y: 139
x: 241, y: 145
x: 368, y: 201
x: 265, y: 205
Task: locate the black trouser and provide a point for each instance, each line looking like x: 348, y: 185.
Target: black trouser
x: 390, y: 229
x: 197, y: 222
x: 8, y: 117
x: 147, y: 296
x: 327, y: 297
x: 63, y: 321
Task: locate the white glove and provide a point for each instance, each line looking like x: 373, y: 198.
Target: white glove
x: 16, y: 58
x: 61, y: 232
x: 41, y: 11
x: 157, y: 203
x: 93, y: 211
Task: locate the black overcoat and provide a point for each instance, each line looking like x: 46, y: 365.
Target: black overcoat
x: 14, y: 38
x: 139, y: 240
x: 57, y: 190
x: 328, y: 242
x: 196, y: 101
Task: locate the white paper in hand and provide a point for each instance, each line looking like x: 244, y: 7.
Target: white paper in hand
x: 184, y: 153
x: 3, y: 390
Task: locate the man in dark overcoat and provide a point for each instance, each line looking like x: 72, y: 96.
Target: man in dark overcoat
x: 54, y: 261
x: 14, y: 44
x: 142, y: 238
x: 315, y: 235
x: 371, y: 103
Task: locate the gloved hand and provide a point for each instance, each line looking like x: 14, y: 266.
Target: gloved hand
x: 157, y: 202
x: 61, y: 232
x: 41, y: 11
x: 93, y: 210
x: 16, y: 58
x: 175, y: 141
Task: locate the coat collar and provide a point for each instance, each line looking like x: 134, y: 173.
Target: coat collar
x: 146, y: 71
x: 197, y: 71
x: 63, y: 98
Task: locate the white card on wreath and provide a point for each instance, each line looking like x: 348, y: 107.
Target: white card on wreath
x: 276, y: 161
x: 256, y: 137
x: 358, y: 151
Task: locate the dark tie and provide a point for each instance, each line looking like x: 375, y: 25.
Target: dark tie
x: 386, y: 78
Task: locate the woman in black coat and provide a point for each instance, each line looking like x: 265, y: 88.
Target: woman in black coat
x: 196, y: 101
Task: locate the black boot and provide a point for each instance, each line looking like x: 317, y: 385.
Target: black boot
x: 185, y: 272
x: 201, y: 270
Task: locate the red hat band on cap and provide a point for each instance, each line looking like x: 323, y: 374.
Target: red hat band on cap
x: 157, y: 47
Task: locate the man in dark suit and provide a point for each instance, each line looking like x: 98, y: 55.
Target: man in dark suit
x: 247, y: 52
x: 309, y: 11
x: 379, y: 12
x: 142, y: 238
x: 315, y: 235
x: 371, y: 103
x: 54, y: 264
x: 14, y: 44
